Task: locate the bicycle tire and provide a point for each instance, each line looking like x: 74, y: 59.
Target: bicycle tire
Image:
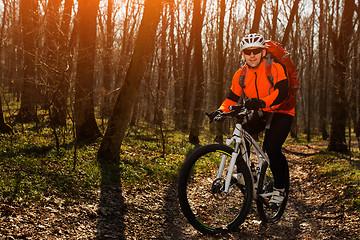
x: 266, y: 213
x: 198, y: 189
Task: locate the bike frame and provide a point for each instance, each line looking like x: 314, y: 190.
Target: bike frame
x: 239, y: 136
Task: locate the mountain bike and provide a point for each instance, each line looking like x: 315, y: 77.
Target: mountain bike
x: 217, y: 182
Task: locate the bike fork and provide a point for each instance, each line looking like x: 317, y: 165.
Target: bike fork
x: 234, y: 156
x: 230, y: 171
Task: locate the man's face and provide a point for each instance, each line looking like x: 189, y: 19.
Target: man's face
x: 253, y: 56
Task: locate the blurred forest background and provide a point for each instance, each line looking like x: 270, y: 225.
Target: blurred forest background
x: 100, y: 66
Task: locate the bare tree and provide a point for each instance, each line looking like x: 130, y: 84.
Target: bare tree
x: 199, y: 74
x: 52, y: 67
x: 108, y: 57
x: 293, y: 13
x: 28, y: 15
x: 257, y: 16
x: 310, y: 75
x: 175, y: 62
x: 322, y: 79
x: 357, y: 67
x: 162, y: 81
x: 188, y: 74
x: 86, y: 128
x: 4, y: 128
x: 274, y: 19
x: 117, y: 125
x: 220, y: 65
x: 64, y: 63
x: 339, y: 111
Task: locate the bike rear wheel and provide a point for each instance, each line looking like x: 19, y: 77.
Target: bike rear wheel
x: 204, y: 204
x: 267, y: 212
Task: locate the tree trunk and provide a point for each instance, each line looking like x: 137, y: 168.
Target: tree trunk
x: 117, y: 125
x: 28, y: 15
x: 322, y: 80
x: 310, y: 84
x: 52, y: 68
x: 65, y: 60
x: 293, y: 13
x: 127, y: 42
x: 87, y: 130
x: 246, y: 18
x: 294, y: 54
x: 257, y: 16
x: 187, y: 91
x: 176, y: 69
x: 274, y: 19
x: 221, y: 65
x: 108, y: 58
x: 357, y: 124
x: 199, y: 73
x: 353, y: 90
x: 339, y: 111
x: 4, y: 128
x: 162, y: 77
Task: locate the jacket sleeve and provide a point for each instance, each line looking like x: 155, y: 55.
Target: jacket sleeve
x: 281, y: 87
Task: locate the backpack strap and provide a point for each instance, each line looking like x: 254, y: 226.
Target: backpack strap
x: 268, y: 68
x: 242, y: 77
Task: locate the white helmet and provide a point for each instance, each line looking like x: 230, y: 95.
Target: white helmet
x: 252, y: 40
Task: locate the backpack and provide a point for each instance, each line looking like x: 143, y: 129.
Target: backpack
x: 276, y: 52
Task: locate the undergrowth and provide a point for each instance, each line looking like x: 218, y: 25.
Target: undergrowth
x: 32, y: 168
x: 142, y: 158
x: 344, y: 173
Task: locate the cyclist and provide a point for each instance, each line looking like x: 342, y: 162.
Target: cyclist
x: 265, y: 101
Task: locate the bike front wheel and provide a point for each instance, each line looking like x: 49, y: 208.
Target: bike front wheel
x: 267, y: 212
x: 201, y: 194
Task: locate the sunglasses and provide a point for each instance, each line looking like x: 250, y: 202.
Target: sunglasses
x: 254, y: 51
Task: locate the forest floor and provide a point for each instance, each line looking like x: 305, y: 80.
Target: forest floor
x: 313, y: 212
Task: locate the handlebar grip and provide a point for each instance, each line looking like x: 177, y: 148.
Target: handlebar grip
x: 236, y: 108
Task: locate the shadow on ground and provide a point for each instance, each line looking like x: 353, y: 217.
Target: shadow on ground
x: 173, y: 229
x: 300, y: 154
x: 111, y: 207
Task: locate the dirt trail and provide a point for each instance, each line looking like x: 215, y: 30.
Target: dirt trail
x: 312, y: 212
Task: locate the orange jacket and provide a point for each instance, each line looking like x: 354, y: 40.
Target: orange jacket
x: 257, y: 85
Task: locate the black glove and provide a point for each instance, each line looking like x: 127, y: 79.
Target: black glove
x: 214, y: 114
x: 254, y: 104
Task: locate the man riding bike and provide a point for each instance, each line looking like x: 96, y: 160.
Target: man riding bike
x: 264, y: 97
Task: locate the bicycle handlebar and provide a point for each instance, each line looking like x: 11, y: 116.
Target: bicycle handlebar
x: 238, y: 111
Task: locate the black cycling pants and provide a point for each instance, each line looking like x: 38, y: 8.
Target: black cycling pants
x: 273, y: 141
x: 275, y: 137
